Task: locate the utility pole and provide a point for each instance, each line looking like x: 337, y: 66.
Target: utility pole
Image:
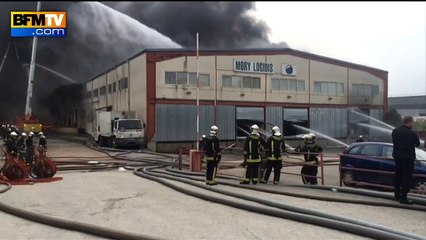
x: 198, y: 96
x: 31, y: 73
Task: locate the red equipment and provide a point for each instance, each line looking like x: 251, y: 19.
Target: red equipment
x: 14, y: 169
x: 43, y: 166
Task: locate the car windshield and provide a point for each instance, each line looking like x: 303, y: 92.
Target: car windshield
x: 420, y: 154
x: 129, y: 124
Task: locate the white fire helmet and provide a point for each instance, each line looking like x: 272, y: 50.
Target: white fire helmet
x: 40, y: 133
x: 254, y: 129
x: 213, y: 130
x: 24, y: 134
x: 310, y: 138
x: 276, y: 131
x: 31, y: 134
x: 13, y: 134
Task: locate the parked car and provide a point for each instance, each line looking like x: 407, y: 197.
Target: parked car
x: 378, y: 156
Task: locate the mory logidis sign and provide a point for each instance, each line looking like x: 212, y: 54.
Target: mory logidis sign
x: 253, y: 67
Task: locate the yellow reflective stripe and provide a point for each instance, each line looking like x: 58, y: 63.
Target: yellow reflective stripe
x: 253, y: 160
x: 250, y: 148
x: 272, y: 147
x: 214, y: 174
x: 209, y: 158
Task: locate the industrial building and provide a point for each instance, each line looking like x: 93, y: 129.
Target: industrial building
x: 409, y: 105
x: 283, y: 87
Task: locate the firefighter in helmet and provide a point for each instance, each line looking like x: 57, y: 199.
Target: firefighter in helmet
x: 360, y: 139
x: 42, y: 142
x: 11, y: 144
x: 30, y: 148
x: 253, y: 146
x: 213, y: 155
x: 310, y: 149
x: 275, y: 146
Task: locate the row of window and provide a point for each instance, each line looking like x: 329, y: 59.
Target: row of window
x: 112, y: 87
x: 282, y: 84
x: 365, y: 90
x: 187, y: 78
x: 328, y: 88
x: 229, y: 81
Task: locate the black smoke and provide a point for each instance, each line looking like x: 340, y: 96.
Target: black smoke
x: 97, y: 40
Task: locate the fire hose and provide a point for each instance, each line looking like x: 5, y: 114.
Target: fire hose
x: 313, y: 197
x: 284, y: 210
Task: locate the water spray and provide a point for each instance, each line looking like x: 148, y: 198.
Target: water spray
x: 321, y: 134
x: 371, y: 118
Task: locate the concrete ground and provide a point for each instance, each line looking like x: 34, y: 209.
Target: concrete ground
x: 121, y: 200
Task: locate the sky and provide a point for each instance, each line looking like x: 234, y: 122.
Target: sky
x: 389, y: 36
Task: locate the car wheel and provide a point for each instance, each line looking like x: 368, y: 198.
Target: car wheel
x: 348, y: 178
x: 420, y: 185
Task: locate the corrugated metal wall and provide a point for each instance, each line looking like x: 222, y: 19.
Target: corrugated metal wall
x: 176, y: 122
x: 377, y: 114
x: 330, y: 121
x: 226, y: 122
x: 274, y: 116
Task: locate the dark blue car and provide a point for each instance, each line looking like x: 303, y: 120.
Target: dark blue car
x: 377, y: 156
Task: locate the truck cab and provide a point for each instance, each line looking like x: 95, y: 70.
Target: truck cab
x: 116, y: 129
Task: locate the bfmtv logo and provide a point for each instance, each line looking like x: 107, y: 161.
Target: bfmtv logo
x: 38, y: 24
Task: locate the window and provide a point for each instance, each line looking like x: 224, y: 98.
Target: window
x: 354, y: 150
x: 275, y: 84
x: 114, y: 87
x: 170, y: 77
x: 339, y: 88
x: 239, y: 82
x: 324, y: 87
x: 284, y: 84
x: 122, y: 84
x: 109, y: 88
x: 292, y: 85
x: 287, y: 84
x: 365, y: 90
x: 300, y: 85
x: 294, y: 117
x: 182, y: 78
x: 226, y: 81
x: 332, y: 88
x: 317, y: 87
x: 246, y: 117
x: 387, y: 152
x: 186, y: 78
x: 370, y: 150
x: 102, y: 90
x: 95, y: 93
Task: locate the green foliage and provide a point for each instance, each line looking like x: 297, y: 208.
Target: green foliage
x: 393, y: 117
x: 420, y: 125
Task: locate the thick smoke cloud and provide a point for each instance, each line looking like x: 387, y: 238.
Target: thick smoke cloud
x: 97, y: 38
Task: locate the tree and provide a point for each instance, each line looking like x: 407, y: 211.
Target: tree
x: 420, y: 125
x: 393, y: 117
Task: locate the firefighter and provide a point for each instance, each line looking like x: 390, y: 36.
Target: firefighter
x: 7, y: 133
x: 30, y: 148
x: 3, y: 130
x: 11, y: 145
x: 360, y: 139
x: 42, y: 142
x: 21, y: 141
x: 275, y: 145
x: 252, y: 159
x: 213, y: 155
x: 310, y: 150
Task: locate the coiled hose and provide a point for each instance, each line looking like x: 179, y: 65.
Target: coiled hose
x: 299, y: 214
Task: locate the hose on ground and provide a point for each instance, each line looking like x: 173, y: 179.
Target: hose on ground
x: 300, y: 195
x: 305, y: 218
x: 417, y: 200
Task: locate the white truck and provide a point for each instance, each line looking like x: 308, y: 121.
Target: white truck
x: 115, y: 129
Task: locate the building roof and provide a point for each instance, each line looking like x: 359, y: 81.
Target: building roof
x: 249, y: 51
x: 410, y: 102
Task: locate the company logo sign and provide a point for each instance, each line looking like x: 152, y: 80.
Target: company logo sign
x: 253, y: 67
x: 38, y: 24
x: 288, y: 69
